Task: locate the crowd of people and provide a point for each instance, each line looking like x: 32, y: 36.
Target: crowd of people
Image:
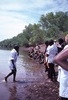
x: 36, y: 54
x: 52, y: 48
x: 55, y: 54
x: 62, y: 60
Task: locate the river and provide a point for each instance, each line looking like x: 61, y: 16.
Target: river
x: 27, y: 68
x: 30, y: 74
x: 31, y: 79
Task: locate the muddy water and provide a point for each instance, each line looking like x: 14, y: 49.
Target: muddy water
x: 28, y: 72
x: 26, y: 67
x: 29, y: 68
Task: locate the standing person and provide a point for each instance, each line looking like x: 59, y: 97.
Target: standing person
x: 51, y: 53
x: 60, y: 46
x: 45, y: 56
x: 12, y: 62
x: 62, y: 60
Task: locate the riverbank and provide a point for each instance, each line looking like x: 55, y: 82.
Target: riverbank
x: 33, y: 85
x: 29, y: 89
x: 42, y: 48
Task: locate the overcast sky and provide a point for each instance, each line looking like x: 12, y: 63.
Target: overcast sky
x: 15, y: 14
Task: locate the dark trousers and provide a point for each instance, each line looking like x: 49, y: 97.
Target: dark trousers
x: 12, y: 72
x: 62, y: 98
x: 51, y: 71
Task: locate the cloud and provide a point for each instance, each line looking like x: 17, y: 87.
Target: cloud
x: 11, y: 26
x: 15, y: 14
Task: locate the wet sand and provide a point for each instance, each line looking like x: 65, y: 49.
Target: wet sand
x: 33, y: 84
x: 29, y: 88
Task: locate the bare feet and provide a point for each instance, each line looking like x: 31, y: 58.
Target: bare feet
x: 14, y: 81
x: 5, y: 79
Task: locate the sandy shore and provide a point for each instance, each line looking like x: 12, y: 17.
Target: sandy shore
x: 29, y: 88
x: 42, y: 48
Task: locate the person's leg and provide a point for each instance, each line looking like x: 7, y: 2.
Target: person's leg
x: 14, y: 75
x: 62, y: 98
x: 8, y: 75
x: 50, y: 67
x: 49, y: 71
x: 46, y: 67
x: 53, y: 72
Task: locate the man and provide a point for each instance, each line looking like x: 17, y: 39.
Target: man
x: 51, y: 53
x: 62, y: 60
x: 12, y: 62
x: 45, y: 56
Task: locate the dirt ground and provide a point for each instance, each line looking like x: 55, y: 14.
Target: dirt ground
x: 42, y: 90
x: 29, y: 89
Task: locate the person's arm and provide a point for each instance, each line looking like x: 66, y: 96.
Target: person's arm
x: 61, y: 59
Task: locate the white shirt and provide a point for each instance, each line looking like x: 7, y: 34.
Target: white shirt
x: 36, y: 48
x: 51, y: 51
x: 63, y: 89
x: 13, y: 56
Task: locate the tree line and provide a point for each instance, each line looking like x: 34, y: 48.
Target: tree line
x: 49, y: 26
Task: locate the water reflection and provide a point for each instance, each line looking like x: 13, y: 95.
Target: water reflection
x: 13, y: 93
x: 27, y: 68
x: 28, y: 72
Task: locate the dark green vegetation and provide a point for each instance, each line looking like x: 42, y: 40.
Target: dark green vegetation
x: 51, y: 26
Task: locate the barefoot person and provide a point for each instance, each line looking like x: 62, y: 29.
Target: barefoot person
x: 62, y: 60
x: 12, y: 62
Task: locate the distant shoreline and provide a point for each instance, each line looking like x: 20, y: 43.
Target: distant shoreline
x: 42, y: 48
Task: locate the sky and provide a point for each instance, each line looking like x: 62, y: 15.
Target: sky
x: 16, y: 14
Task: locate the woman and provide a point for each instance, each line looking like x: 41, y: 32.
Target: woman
x: 62, y: 60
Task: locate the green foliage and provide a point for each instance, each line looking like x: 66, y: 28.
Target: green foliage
x: 50, y: 26
x: 53, y: 32
x: 65, y: 33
